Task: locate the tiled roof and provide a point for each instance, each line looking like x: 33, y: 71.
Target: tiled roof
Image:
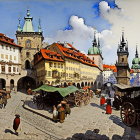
x: 48, y: 55
x: 110, y: 67
x: 71, y: 52
x: 7, y: 40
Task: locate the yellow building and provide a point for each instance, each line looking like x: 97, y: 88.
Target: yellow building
x: 49, y: 67
x: 79, y: 69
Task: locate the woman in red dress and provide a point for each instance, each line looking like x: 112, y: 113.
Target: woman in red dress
x: 16, y: 123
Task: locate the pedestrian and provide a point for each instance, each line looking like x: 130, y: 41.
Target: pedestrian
x: 4, y: 100
x: 16, y: 123
x: 102, y: 100
x: 55, y: 114
x: 61, y: 113
x: 116, y: 102
x: 108, y: 107
x: 67, y: 110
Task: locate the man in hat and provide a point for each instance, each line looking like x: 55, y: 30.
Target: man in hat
x: 16, y: 123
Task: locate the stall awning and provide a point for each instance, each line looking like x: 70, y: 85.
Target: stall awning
x: 63, y: 91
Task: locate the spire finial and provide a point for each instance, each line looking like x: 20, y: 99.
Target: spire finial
x: 19, y: 27
x: 94, y: 41
x: 39, y: 26
x: 136, y: 55
x: 28, y: 12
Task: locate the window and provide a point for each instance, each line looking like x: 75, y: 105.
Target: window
x: 2, y: 56
x: 49, y: 73
x: 58, y: 65
x: 9, y: 69
x: 28, y: 54
x: 3, y: 68
x: 122, y: 59
x: 14, y: 69
x: 6, y: 56
x: 14, y: 49
x: 28, y: 43
x: 50, y: 64
x: 10, y: 57
x: 2, y: 47
x: 14, y: 57
x: 10, y: 49
x: 6, y: 47
x: 55, y: 65
x: 62, y: 66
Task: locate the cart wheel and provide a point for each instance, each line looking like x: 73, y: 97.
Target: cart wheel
x: 77, y: 101
x: 128, y: 114
x: 40, y: 106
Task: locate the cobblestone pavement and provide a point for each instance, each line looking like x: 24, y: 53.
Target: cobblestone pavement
x: 83, y: 120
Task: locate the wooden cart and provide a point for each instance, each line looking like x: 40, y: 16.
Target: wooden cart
x: 130, y: 104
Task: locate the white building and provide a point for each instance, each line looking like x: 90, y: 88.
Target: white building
x: 10, y: 63
x: 109, y: 74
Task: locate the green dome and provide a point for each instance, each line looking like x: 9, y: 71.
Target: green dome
x: 94, y: 50
x: 136, y: 61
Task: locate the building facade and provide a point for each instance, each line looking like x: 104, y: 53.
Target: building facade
x: 79, y: 69
x: 31, y: 41
x: 10, y: 63
x: 123, y: 74
x: 95, y: 53
x: 109, y: 74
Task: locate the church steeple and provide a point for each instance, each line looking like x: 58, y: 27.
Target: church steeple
x: 94, y: 41
x: 39, y: 26
x: 136, y: 55
x: 28, y: 26
x: 19, y: 26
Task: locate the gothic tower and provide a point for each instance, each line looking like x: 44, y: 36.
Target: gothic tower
x: 95, y: 53
x: 123, y: 75
x: 30, y: 40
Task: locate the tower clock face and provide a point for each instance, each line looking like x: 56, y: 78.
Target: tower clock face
x: 28, y: 43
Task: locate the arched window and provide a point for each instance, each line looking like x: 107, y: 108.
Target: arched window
x: 122, y: 59
x: 27, y: 64
x: 28, y: 43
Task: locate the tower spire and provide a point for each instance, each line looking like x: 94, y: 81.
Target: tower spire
x: 94, y: 41
x: 39, y: 26
x: 19, y: 27
x: 136, y: 55
x: 28, y: 26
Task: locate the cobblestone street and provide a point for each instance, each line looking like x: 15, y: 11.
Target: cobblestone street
x: 82, y: 120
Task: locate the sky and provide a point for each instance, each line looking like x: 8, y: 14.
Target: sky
x: 75, y: 21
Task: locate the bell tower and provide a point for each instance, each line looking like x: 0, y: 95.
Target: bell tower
x: 30, y: 40
x: 123, y: 75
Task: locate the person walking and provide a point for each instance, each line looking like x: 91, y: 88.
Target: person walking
x: 55, y: 114
x: 4, y: 100
x: 16, y: 123
x: 61, y: 113
x: 68, y: 110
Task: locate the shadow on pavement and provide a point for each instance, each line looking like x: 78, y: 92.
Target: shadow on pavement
x: 92, y: 135
x: 9, y: 131
x: 98, y: 106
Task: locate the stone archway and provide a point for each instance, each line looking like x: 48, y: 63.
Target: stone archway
x: 27, y: 64
x: 82, y: 84
x: 85, y: 83
x: 65, y: 84
x: 11, y: 84
x: 88, y: 83
x: 95, y: 85
x: 74, y: 84
x: 25, y: 83
x: 2, y: 83
x: 78, y: 85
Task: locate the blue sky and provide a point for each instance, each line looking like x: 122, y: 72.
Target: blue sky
x: 55, y: 16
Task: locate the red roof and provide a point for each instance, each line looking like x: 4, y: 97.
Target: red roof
x: 110, y: 67
x: 7, y: 40
x: 71, y: 52
x: 48, y: 55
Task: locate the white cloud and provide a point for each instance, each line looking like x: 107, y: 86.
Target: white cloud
x: 126, y: 16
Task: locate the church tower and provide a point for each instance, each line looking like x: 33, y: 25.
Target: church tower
x: 95, y: 53
x: 30, y: 40
x: 123, y: 75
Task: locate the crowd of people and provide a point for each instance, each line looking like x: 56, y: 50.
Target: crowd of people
x: 61, y: 111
